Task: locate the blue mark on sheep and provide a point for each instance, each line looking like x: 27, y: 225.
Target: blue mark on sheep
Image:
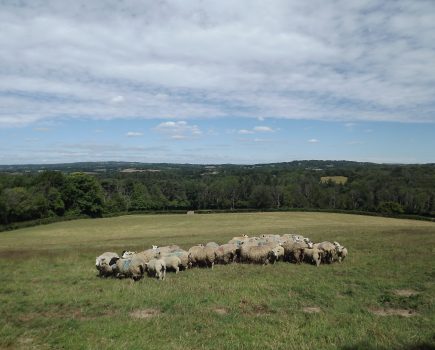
x: 126, y: 264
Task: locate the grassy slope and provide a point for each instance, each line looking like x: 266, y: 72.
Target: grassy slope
x: 50, y: 297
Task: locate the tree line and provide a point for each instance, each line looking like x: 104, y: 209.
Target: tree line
x: 386, y: 189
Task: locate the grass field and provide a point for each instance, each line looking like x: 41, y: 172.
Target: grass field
x: 50, y: 296
x: 337, y: 179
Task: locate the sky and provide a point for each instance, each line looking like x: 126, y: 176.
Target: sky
x: 199, y: 81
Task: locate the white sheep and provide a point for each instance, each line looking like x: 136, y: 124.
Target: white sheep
x: 342, y: 254
x: 156, y: 268
x: 103, y: 262
x: 172, y: 262
x: 263, y: 254
x: 227, y: 253
x: 202, y: 256
x: 134, y: 268
x: 313, y: 255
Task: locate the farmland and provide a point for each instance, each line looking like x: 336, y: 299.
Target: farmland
x: 340, y: 180
x: 381, y: 296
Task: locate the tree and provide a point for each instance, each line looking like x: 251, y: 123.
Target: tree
x: 83, y: 194
x: 261, y: 197
x: 390, y: 208
x: 140, y: 199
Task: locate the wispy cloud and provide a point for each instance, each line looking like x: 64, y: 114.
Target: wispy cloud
x: 263, y: 129
x: 280, y: 59
x: 178, y: 130
x: 313, y: 141
x: 256, y: 129
x: 118, y: 99
x: 245, y: 132
x: 134, y: 134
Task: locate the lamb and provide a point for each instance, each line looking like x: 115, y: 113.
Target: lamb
x: 180, y: 254
x: 279, y: 252
x: 134, y: 268
x: 226, y: 253
x: 172, y: 262
x: 127, y: 254
x: 156, y: 268
x: 258, y: 254
x: 103, y: 262
x: 201, y: 256
x: 342, y: 254
x: 313, y: 256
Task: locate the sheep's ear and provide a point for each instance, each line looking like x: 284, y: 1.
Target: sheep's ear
x: 123, y: 252
x: 113, y: 261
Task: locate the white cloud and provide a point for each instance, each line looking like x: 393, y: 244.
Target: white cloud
x: 339, y: 60
x: 245, y: 132
x: 42, y: 129
x: 256, y: 129
x: 350, y: 126
x: 118, y: 99
x: 134, y: 134
x: 178, y: 130
x: 263, y: 129
x: 313, y: 141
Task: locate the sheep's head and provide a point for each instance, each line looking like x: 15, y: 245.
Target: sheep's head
x: 127, y: 253
x: 310, y: 245
x: 97, y: 262
x: 155, y: 247
x: 245, y: 236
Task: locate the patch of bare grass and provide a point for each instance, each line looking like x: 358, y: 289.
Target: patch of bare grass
x: 405, y: 292
x: 145, y: 313
x: 311, y: 309
x: 248, y: 307
x: 220, y: 310
x: 393, y: 312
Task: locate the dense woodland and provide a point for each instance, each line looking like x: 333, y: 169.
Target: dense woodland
x: 98, y: 189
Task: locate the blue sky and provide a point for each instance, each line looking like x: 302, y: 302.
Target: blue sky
x: 225, y: 140
x: 217, y: 82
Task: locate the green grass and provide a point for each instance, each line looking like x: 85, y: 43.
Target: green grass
x: 50, y: 296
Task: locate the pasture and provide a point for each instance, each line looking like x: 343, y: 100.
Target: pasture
x: 339, y: 180
x: 380, y: 297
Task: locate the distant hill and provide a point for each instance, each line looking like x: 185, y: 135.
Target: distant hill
x: 113, y: 166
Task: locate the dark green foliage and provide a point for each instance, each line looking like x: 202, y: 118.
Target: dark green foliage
x: 385, y: 189
x: 390, y: 208
x: 83, y: 193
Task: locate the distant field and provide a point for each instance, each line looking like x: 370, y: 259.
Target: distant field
x: 337, y: 179
x: 381, y: 297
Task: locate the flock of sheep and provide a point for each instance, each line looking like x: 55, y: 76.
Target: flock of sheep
x: 259, y: 250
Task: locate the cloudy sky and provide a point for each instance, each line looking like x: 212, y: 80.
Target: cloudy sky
x: 199, y: 81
